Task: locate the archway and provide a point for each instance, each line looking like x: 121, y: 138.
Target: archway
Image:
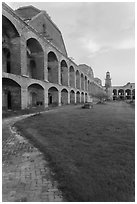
x: 64, y: 73
x: 53, y: 96
x: 11, y: 60
x: 82, y: 97
x: 52, y: 68
x: 133, y: 94
x: 121, y: 94
x: 128, y: 94
x: 82, y: 81
x: 77, y: 79
x: 72, y: 76
x: 72, y: 97
x: 114, y: 94
x: 86, y: 97
x: 35, y: 95
x: 64, y: 97
x: 86, y: 87
x: 35, y: 59
x: 11, y: 94
x: 78, y: 97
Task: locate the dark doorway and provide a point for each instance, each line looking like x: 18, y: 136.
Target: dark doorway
x: 50, y: 99
x: 9, y: 100
x: 8, y: 63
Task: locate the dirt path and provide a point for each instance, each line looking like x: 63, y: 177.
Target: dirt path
x: 26, y: 175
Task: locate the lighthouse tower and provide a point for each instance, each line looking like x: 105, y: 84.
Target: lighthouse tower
x: 108, y: 86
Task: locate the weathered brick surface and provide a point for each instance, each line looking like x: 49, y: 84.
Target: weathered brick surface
x: 26, y: 175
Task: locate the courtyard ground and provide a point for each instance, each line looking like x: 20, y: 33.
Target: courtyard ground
x: 26, y: 176
x: 91, y: 151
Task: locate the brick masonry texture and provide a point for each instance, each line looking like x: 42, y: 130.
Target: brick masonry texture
x: 26, y: 175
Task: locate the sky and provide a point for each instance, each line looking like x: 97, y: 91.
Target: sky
x: 99, y: 34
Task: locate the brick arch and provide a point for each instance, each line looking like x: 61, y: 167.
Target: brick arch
x: 35, y: 95
x: 35, y: 59
x: 72, y: 96
x: 64, y: 96
x: 53, y: 96
x: 29, y: 35
x: 77, y: 97
x: 82, y: 80
x: 39, y: 83
x: 64, y: 72
x: 15, y: 23
x: 82, y: 97
x: 11, y: 94
x: 53, y: 67
x: 11, y: 42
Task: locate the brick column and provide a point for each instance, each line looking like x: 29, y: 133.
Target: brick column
x: 69, y: 97
x: 59, y: 73
x: 59, y: 98
x: 23, y: 49
x: 45, y: 98
x: 45, y: 66
x: 24, y: 97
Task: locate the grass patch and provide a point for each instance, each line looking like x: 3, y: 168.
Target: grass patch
x: 91, y: 151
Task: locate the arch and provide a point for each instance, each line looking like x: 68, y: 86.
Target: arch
x: 121, y: 94
x: 35, y: 95
x: 77, y: 97
x: 72, y: 76
x: 133, y: 94
x: 86, y: 97
x: 86, y: 86
x: 82, y: 97
x: 11, y: 94
x: 35, y: 59
x: 11, y: 60
x: 72, y: 97
x: 6, y: 60
x: 53, y: 96
x: 52, y: 68
x: 64, y: 73
x: 77, y: 79
x: 128, y: 94
x: 114, y: 94
x: 82, y: 81
x: 64, y: 97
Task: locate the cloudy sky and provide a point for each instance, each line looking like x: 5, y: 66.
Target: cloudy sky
x: 99, y: 34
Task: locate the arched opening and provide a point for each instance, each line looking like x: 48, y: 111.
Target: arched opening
x: 11, y: 59
x: 64, y: 73
x: 53, y: 96
x: 86, y: 87
x: 82, y: 97
x: 82, y: 81
x: 72, y: 97
x: 77, y: 79
x: 72, y: 76
x: 86, y: 98
x: 6, y: 58
x: 52, y: 68
x: 133, y: 94
x: 35, y: 59
x: 114, y: 94
x: 78, y: 97
x: 64, y: 97
x: 121, y: 94
x: 36, y: 96
x: 128, y: 94
x: 11, y: 94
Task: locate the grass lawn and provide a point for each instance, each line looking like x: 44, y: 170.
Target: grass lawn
x: 91, y: 151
